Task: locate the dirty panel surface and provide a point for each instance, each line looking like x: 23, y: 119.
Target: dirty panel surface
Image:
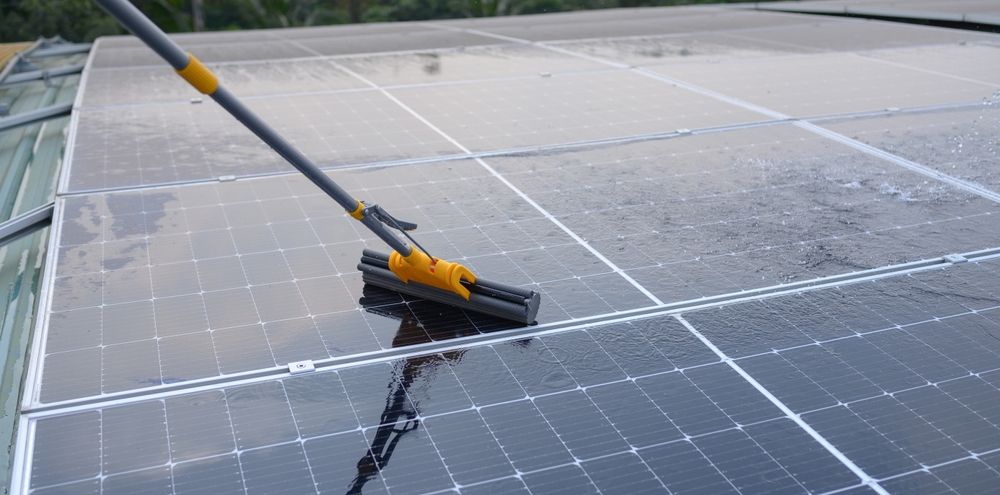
x: 143, y: 85
x: 719, y: 213
x: 625, y: 22
x: 962, y: 60
x: 673, y: 49
x: 138, y: 56
x: 820, y: 84
x: 898, y: 374
x: 417, y: 38
x: 565, y: 108
x: 508, y: 416
x: 960, y: 143
x: 154, y: 144
x: 176, y: 284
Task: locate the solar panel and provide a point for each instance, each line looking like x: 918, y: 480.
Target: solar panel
x: 891, y: 396
x: 734, y: 301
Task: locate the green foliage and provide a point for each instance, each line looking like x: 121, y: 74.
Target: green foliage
x: 83, y: 20
x: 26, y: 20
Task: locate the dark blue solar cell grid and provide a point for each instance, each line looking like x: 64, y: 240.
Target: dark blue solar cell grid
x: 898, y: 373
x: 551, y: 413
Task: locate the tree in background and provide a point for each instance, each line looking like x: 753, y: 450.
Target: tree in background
x: 77, y: 20
x: 83, y: 20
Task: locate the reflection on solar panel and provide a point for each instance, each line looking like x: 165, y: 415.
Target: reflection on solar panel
x: 744, y: 227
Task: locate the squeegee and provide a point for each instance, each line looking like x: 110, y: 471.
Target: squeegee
x: 409, y: 269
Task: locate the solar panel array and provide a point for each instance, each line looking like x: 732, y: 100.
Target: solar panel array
x: 736, y: 220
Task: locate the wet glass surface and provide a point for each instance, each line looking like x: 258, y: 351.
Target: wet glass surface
x: 163, y: 286
x: 718, y: 213
x: 960, y: 143
x: 466, y: 64
x: 673, y: 49
x: 170, y: 285
x: 410, y: 426
x: 567, y: 410
x: 821, y: 84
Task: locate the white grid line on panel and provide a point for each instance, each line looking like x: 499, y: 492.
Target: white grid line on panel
x: 865, y: 478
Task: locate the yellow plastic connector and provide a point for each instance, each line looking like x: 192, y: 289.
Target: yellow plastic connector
x: 359, y: 212
x: 199, y: 76
x: 419, y: 267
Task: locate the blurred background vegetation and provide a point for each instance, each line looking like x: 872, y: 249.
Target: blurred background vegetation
x: 83, y: 20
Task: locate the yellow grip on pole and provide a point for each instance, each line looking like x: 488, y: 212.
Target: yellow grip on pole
x: 359, y: 212
x: 199, y: 76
